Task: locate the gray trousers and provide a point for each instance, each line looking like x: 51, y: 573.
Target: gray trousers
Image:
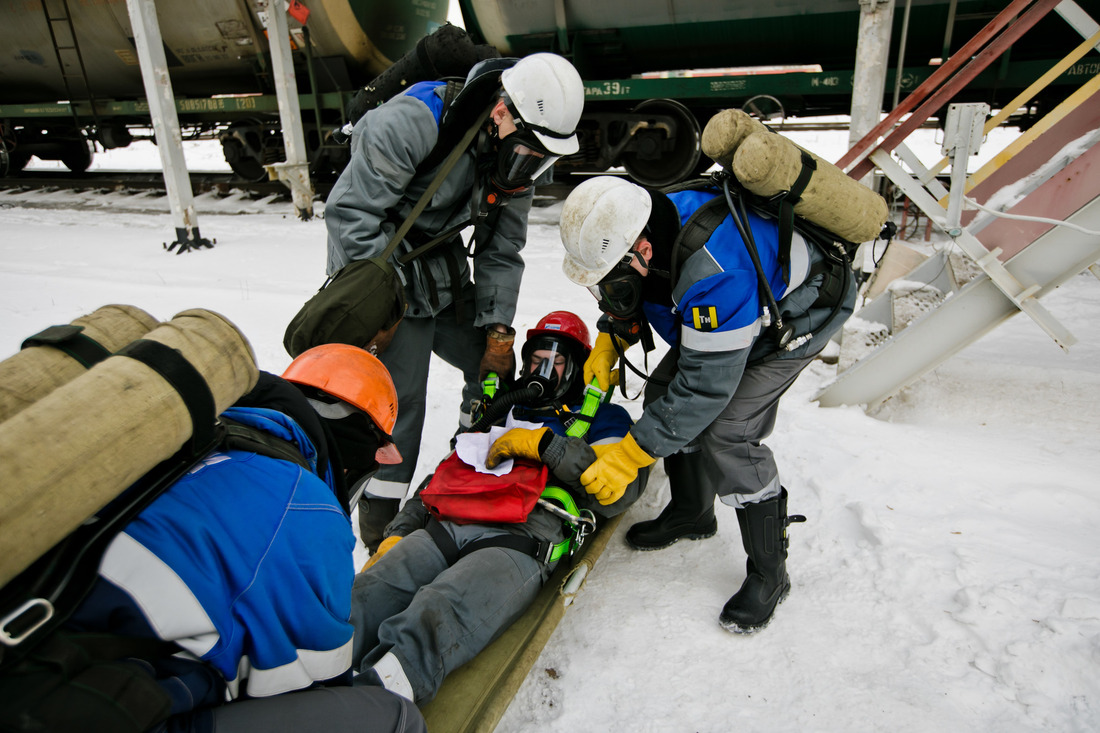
x: 329, y: 709
x: 433, y: 618
x: 733, y: 461
x: 459, y: 344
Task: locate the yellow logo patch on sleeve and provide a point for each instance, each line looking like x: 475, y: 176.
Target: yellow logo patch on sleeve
x: 704, y: 318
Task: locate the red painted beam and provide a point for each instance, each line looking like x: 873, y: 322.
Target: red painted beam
x: 1058, y: 198
x: 950, y: 88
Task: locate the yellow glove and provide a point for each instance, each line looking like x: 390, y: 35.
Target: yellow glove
x: 516, y: 443
x: 601, y: 360
x: 616, y: 466
x: 383, y: 547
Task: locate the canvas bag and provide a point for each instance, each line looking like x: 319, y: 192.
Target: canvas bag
x: 348, y: 309
x: 459, y: 493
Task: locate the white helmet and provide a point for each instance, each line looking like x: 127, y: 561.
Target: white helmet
x: 548, y: 94
x: 600, y: 221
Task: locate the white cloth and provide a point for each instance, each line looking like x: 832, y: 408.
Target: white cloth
x: 473, y: 448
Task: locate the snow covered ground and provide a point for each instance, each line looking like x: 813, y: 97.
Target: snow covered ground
x: 947, y: 578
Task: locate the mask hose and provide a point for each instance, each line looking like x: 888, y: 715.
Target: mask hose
x: 502, y: 403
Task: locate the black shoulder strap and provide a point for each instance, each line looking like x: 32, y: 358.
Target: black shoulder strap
x: 73, y: 341
x: 448, y: 135
x: 538, y: 549
x: 44, y: 595
x: 695, y: 233
x: 445, y: 168
x: 239, y: 436
x: 787, y: 203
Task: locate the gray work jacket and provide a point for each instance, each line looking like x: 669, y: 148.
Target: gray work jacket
x: 380, y: 186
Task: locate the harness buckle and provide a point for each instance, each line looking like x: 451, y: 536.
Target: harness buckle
x: 44, y: 608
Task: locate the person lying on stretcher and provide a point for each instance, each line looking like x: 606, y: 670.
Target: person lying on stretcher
x: 448, y: 580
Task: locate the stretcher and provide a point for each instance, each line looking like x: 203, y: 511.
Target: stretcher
x: 474, y: 697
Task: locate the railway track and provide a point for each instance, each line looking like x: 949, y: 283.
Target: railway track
x: 153, y: 181
x: 47, y: 188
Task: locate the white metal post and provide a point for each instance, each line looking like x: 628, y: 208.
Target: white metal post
x: 962, y: 138
x: 166, y: 126
x: 869, y: 82
x: 295, y: 171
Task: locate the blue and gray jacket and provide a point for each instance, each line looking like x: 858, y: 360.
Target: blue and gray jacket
x: 715, y: 321
x: 246, y: 564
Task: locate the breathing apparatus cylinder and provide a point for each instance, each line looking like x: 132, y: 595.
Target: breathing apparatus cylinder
x: 768, y: 164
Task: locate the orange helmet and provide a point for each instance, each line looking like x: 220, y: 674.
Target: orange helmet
x: 352, y: 375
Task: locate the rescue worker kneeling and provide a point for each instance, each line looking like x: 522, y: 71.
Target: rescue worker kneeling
x: 442, y: 590
x: 241, y: 570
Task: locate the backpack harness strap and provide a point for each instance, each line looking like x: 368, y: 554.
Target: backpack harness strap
x: 239, y: 436
x: 71, y: 340
x: 581, y: 421
x: 787, y: 201
x: 835, y: 264
x: 44, y: 595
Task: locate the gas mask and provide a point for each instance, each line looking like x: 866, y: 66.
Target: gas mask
x: 510, y: 166
x: 521, y: 159
x: 542, y: 358
x: 620, y: 291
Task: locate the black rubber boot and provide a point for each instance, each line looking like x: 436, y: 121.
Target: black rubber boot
x: 689, y: 514
x: 374, y: 514
x: 764, y: 536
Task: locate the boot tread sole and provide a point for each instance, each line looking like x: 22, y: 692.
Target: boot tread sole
x: 692, y: 536
x: 734, y: 628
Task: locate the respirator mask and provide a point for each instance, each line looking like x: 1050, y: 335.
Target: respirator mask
x: 542, y: 358
x: 620, y: 291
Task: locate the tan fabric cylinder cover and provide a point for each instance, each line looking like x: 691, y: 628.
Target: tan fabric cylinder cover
x: 725, y: 132
x: 71, y: 452
x: 36, y: 371
x: 768, y: 163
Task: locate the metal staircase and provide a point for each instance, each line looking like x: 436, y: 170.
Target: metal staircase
x: 1050, y: 173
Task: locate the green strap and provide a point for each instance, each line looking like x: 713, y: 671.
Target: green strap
x: 563, y: 497
x: 593, y: 398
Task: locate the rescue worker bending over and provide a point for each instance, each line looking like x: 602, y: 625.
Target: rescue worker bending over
x: 397, y: 149
x: 429, y: 604
x: 712, y: 400
x: 244, y: 565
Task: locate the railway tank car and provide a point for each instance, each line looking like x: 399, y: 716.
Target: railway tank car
x: 655, y: 70
x: 69, y: 74
x: 643, y: 110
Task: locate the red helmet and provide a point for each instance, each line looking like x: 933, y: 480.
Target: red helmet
x: 563, y: 323
x: 565, y: 333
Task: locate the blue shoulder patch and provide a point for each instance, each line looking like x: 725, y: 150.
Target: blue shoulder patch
x: 425, y: 92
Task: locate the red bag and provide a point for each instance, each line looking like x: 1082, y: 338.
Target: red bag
x: 458, y: 493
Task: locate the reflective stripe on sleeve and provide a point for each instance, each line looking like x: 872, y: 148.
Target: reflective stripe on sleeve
x: 739, y: 338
